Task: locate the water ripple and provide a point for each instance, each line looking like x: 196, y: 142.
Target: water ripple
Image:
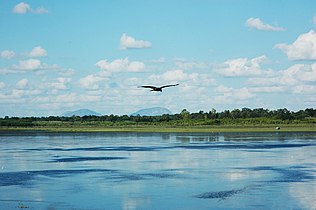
x: 222, y: 195
x: 81, y: 159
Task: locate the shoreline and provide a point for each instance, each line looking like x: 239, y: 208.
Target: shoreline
x: 161, y: 129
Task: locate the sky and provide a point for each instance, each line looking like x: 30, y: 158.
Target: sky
x: 59, y: 56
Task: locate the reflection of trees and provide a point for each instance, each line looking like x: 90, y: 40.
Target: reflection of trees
x: 192, y: 139
x: 278, y: 136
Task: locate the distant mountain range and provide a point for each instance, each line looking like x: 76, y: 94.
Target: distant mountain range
x: 155, y: 111
x: 81, y: 113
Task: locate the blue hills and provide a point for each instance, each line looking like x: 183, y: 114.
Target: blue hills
x: 81, y: 113
x: 155, y: 111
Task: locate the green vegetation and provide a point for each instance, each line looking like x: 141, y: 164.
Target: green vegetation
x: 227, y: 121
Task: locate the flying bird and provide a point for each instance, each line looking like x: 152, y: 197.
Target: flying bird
x: 158, y: 89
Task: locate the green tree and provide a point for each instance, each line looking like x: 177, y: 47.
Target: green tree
x: 185, y: 114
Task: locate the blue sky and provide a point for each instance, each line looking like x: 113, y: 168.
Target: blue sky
x: 57, y: 56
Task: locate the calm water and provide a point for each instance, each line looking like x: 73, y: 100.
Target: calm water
x: 41, y: 170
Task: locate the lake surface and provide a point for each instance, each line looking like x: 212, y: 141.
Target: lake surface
x: 40, y: 170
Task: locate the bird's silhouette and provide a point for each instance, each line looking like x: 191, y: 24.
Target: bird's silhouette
x: 158, y: 89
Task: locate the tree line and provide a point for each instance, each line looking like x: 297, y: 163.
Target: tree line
x: 236, y: 116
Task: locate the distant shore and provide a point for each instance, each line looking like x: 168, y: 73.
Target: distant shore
x: 207, y: 129
x: 244, y: 120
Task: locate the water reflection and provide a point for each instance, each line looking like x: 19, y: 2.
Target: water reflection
x: 42, y: 170
x: 192, y: 139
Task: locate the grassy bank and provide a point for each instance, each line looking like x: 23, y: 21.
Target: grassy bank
x: 153, y: 128
x: 246, y: 121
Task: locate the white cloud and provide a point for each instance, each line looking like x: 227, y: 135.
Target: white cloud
x: 2, y: 85
x: 179, y: 75
x: 260, y: 25
x: 120, y: 65
x: 268, y: 89
x: 294, y: 75
x: 60, y: 83
x: 65, y: 100
x: 20, y: 93
x: 91, y: 82
x: 23, y: 8
x: 7, y: 54
x: 22, y: 83
x: 232, y: 95
x: 10, y: 98
x: 30, y: 64
x: 40, y: 10
x: 67, y: 72
x: 302, y: 72
x: 303, y: 48
x: 305, y: 89
x: 89, y: 98
x: 185, y: 64
x: 297, y: 78
x: 264, y: 81
x: 128, y: 42
x: 243, y: 67
x: 38, y: 52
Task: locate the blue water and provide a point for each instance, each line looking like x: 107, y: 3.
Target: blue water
x: 40, y: 170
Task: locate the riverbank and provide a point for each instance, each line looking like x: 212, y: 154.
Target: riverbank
x: 148, y: 128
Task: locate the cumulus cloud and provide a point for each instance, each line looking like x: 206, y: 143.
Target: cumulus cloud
x: 243, y: 67
x: 22, y: 83
x: 30, y: 64
x: 18, y: 96
x: 179, y: 75
x: 91, y: 82
x: 303, y: 48
x: 7, y: 54
x: 23, y: 8
x: 27, y: 66
x: 260, y: 25
x: 37, y: 52
x: 60, y: 83
x: 120, y: 65
x: 235, y: 93
x: 128, y: 42
x: 185, y: 64
x: 301, y: 72
x: 64, y: 100
x: 67, y: 72
x: 268, y: 89
x: 305, y: 89
x: 298, y: 78
x: 294, y: 75
x: 2, y: 85
x: 234, y: 96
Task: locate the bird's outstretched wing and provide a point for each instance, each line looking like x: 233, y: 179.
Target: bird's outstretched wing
x: 168, y: 86
x: 147, y: 86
